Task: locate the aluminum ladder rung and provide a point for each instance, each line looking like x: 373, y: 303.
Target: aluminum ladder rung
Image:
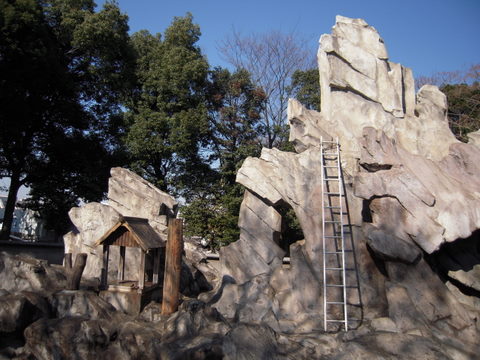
x: 335, y: 303
x: 340, y: 269
x: 341, y: 285
x: 336, y: 321
x: 337, y: 252
x: 332, y: 207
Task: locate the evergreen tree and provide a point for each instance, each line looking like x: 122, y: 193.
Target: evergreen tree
x: 236, y: 111
x: 305, y: 87
x: 63, y: 70
x: 167, y: 114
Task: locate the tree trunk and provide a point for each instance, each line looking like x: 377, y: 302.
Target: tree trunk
x: 10, y: 206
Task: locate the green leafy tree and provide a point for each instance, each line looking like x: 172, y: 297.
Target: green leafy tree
x: 167, y: 113
x: 463, y: 108
x: 305, y: 87
x: 63, y: 69
x: 236, y: 105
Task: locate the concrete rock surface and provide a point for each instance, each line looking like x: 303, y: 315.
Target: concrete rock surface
x: 25, y: 273
x: 413, y: 195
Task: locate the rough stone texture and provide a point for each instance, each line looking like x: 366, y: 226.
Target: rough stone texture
x: 474, y: 138
x: 131, y: 195
x: 91, y: 221
x: 24, y: 273
x: 412, y: 189
x: 19, y: 310
x: 68, y: 303
x: 68, y: 338
x: 389, y: 247
x: 128, y: 195
x: 251, y: 342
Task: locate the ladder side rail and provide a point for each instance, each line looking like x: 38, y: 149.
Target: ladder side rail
x: 323, y: 239
x: 353, y: 252
x: 344, y: 275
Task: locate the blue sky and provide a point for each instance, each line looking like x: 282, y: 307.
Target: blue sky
x: 425, y: 35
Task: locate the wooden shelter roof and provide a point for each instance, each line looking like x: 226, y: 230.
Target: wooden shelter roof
x: 140, y: 231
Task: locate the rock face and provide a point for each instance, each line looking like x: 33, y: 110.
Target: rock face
x: 24, y: 273
x: 413, y: 192
x: 128, y: 195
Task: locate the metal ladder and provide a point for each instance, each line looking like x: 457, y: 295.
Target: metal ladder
x: 336, y: 230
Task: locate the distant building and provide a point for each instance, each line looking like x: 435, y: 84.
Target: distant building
x: 26, y: 223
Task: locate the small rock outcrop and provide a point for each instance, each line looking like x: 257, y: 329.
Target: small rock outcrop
x: 413, y: 193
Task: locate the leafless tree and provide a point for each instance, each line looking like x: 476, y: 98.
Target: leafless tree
x: 442, y: 78
x: 271, y: 58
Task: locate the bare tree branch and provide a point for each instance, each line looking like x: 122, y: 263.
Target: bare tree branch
x: 271, y: 58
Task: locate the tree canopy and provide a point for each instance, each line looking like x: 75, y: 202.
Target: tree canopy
x: 235, y: 113
x: 167, y: 115
x: 63, y: 69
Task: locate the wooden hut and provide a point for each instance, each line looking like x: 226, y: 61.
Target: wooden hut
x: 130, y: 295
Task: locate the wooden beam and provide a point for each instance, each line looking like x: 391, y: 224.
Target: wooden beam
x: 104, y: 275
x: 141, y: 270
x: 75, y: 275
x: 156, y: 265
x: 173, y: 267
x: 121, y: 264
x: 108, y: 233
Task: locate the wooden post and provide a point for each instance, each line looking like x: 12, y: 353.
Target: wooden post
x: 75, y: 275
x: 67, y: 261
x: 121, y: 265
x: 156, y: 265
x: 173, y: 266
x: 104, y: 275
x: 141, y: 271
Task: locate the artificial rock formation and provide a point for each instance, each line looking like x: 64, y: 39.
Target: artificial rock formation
x: 128, y: 195
x: 413, y: 193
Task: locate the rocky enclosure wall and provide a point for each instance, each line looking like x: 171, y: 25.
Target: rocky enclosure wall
x: 412, y: 188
